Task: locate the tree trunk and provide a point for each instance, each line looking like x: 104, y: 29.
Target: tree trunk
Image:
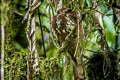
x: 2, y: 51
x: 6, y: 33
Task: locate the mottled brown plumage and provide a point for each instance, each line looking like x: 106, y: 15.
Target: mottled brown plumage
x: 63, y: 23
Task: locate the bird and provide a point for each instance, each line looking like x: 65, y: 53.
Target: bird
x: 66, y: 27
x: 63, y: 23
x: 64, y: 30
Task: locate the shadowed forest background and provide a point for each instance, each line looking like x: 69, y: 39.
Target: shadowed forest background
x: 60, y: 39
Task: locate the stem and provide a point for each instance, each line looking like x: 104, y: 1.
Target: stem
x: 42, y: 33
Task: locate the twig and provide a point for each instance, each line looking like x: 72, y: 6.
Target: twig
x: 78, y: 39
x: 42, y: 33
x: 18, y: 13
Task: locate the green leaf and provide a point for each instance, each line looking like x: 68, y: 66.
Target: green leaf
x: 109, y: 30
x: 88, y: 3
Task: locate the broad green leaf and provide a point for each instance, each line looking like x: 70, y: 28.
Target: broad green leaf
x: 109, y: 26
x: 109, y: 30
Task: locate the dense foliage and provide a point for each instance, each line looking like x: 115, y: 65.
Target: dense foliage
x: 98, y: 49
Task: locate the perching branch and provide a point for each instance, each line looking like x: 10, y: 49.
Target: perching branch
x: 31, y: 36
x: 34, y: 53
x: 27, y: 34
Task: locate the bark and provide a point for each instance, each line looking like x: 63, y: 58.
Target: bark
x: 31, y: 36
x: 2, y: 51
x: 33, y: 44
x: 6, y: 36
